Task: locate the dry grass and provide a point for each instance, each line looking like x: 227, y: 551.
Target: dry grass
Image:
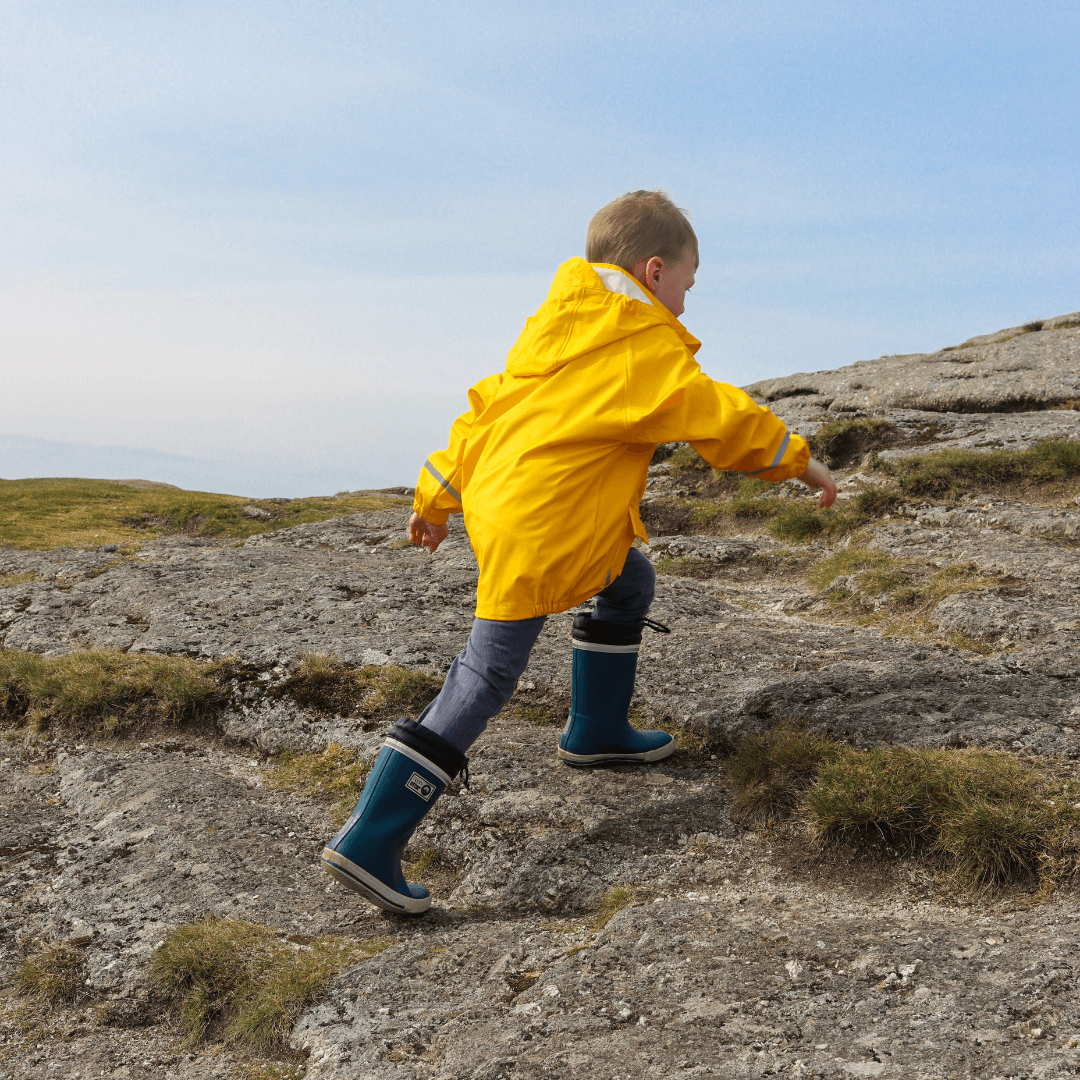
x: 8, y: 581
x: 245, y: 984
x: 542, y: 714
x: 270, y: 1070
x: 417, y: 867
x: 372, y: 693
x: 334, y: 774
x: 797, y: 520
x: 108, y: 691
x: 52, y: 973
x: 984, y: 814
x: 726, y: 502
x: 687, y: 741
x: 43, y: 514
x: 871, y: 588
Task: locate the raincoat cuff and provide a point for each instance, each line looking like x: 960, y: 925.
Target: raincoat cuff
x: 429, y: 513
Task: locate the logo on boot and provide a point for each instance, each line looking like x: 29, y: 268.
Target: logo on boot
x: 419, y: 786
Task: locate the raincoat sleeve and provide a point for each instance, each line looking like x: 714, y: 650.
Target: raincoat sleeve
x: 670, y: 399
x: 438, y: 491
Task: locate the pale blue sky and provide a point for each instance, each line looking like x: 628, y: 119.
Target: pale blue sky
x: 265, y: 248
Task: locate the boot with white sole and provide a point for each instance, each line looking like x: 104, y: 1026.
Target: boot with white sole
x: 597, y: 731
x: 413, y: 769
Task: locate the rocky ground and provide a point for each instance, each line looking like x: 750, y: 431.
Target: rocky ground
x: 735, y: 954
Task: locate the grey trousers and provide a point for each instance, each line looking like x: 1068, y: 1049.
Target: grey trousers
x: 482, y: 678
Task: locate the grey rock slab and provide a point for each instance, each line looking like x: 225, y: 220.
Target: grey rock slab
x: 990, y: 431
x: 343, y: 587
x: 923, y: 431
x: 989, y: 513
x: 744, y: 980
x: 1023, y: 372
x: 742, y: 654
x: 726, y: 961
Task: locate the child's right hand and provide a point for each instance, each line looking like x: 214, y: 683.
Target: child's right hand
x: 818, y: 476
x: 431, y: 536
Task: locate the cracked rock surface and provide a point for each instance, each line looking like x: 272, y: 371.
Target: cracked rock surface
x: 735, y: 954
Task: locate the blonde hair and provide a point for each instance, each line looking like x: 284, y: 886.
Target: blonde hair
x: 636, y: 226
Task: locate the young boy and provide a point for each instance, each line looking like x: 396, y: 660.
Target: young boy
x: 548, y: 466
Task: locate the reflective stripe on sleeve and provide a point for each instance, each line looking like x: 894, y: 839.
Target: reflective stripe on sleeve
x: 776, y: 460
x: 444, y: 482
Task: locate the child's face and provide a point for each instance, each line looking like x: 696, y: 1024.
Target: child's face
x: 670, y: 282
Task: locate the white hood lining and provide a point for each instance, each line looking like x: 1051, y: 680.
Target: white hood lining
x: 618, y: 281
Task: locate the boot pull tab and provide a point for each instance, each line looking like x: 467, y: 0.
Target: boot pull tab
x: 659, y: 627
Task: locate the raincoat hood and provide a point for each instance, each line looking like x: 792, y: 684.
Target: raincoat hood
x: 587, y: 307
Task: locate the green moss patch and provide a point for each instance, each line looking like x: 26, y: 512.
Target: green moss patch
x: 244, y: 984
x: 984, y: 814
x: 108, y: 692
x: 43, y: 514
x: 334, y: 774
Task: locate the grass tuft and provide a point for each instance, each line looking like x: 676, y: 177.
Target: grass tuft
x: 984, y: 814
x: 425, y: 859
x: 983, y: 811
x: 52, y: 973
x: 109, y: 691
x: 542, y: 714
x: 771, y: 771
x: 839, y: 442
x: 244, y: 984
x: 687, y: 740
x: 849, y: 560
x: 606, y: 907
x: 43, y: 514
x: 795, y: 520
x: 270, y: 1070
x: 948, y: 474
x: 371, y: 692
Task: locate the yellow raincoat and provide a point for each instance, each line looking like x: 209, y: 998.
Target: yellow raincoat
x: 550, y: 462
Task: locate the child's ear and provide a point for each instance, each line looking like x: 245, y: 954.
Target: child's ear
x: 653, y: 269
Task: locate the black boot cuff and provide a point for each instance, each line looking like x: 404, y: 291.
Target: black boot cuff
x: 606, y: 631
x: 433, y: 746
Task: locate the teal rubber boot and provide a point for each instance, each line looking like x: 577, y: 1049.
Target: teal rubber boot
x: 601, y: 686
x: 412, y: 770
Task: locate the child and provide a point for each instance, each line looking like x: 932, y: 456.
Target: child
x: 548, y: 466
